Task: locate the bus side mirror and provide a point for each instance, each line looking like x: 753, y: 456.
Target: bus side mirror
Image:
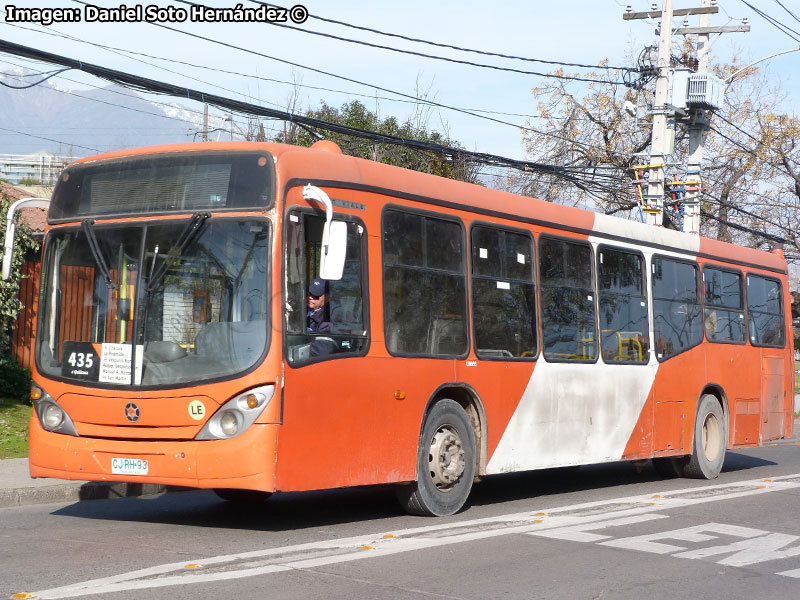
x: 334, y: 237
x: 334, y: 249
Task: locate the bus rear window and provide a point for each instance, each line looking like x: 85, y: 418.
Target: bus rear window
x: 164, y: 183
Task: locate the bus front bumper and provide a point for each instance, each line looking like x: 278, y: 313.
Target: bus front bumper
x: 243, y: 462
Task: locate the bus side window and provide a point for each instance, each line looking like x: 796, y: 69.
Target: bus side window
x: 623, y: 306
x: 567, y: 297
x: 724, y: 306
x: 503, y: 294
x: 346, y: 308
x: 677, y: 322
x: 425, y: 288
x: 765, y: 307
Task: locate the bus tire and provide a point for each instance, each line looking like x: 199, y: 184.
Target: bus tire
x: 238, y: 496
x: 445, y: 463
x: 710, y: 440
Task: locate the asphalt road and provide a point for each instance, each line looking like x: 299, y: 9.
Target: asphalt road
x: 601, y: 532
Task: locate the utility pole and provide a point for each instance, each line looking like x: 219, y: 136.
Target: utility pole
x: 698, y: 125
x: 695, y: 117
x: 663, y: 136
x: 699, y: 122
x: 205, y: 122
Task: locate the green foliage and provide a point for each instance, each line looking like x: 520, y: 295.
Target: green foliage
x: 15, y: 381
x: 14, y: 420
x: 10, y: 305
x: 355, y: 114
x: 30, y: 181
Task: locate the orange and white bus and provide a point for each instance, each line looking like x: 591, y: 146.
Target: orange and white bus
x: 468, y: 331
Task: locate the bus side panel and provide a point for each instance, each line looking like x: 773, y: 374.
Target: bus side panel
x: 573, y: 414
x: 734, y: 368
x: 677, y: 389
x: 500, y: 386
x: 343, y: 425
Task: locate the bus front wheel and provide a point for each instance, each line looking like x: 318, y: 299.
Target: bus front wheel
x: 445, y: 463
x: 710, y: 440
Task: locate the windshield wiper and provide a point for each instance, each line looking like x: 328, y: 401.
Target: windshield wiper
x: 88, y: 231
x: 188, y: 236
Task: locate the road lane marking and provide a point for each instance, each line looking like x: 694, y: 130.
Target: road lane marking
x: 573, y: 520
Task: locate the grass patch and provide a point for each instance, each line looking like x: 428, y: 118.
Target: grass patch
x: 14, y: 417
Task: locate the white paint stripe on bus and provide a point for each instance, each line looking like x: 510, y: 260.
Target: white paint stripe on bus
x: 605, y: 513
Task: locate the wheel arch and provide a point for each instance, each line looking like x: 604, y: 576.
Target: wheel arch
x: 469, y: 399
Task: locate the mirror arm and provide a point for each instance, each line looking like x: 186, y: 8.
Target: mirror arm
x: 312, y: 192
x: 11, y: 229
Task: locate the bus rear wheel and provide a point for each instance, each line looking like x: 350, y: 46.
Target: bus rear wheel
x: 710, y: 440
x: 445, y: 463
x: 238, y: 496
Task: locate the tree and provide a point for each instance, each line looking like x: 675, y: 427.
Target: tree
x: 751, y: 171
x: 10, y: 305
x: 355, y: 114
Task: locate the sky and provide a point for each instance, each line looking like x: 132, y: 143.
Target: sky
x: 581, y: 31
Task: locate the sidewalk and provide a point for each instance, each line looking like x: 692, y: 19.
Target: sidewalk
x: 18, y: 489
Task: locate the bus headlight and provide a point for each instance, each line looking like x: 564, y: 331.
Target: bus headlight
x: 51, y: 416
x: 237, y: 414
x: 229, y: 423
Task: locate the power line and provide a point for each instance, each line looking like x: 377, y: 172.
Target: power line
x: 441, y: 45
x: 422, y: 54
x: 574, y: 175
x: 794, y: 16
x: 25, y: 87
x: 767, y: 236
x: 774, y: 22
x: 51, y: 32
x: 383, y: 89
x: 49, y: 139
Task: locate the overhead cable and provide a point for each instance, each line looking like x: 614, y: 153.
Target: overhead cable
x: 431, y: 56
x: 459, y: 48
x: 573, y: 175
x: 376, y: 87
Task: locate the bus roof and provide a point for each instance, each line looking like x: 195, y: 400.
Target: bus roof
x: 330, y: 167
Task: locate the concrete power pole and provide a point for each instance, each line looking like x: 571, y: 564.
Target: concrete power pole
x: 697, y: 128
x: 663, y: 136
x: 698, y: 122
x: 695, y: 117
x: 205, y: 122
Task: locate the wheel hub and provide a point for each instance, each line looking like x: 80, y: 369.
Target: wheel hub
x: 712, y: 436
x: 446, y: 458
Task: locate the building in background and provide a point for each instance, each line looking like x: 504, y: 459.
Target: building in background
x: 41, y: 166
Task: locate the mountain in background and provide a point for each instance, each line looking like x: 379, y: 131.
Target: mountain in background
x: 83, y: 122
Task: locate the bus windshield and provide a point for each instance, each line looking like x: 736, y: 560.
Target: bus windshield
x: 191, y: 293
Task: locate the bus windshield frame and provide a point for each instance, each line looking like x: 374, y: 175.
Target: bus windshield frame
x: 199, y: 310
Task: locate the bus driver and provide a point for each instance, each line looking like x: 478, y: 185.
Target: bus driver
x: 317, y: 318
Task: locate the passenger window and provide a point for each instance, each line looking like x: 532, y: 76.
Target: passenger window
x: 676, y: 307
x: 623, y: 307
x: 568, y: 321
x: 424, y: 285
x: 503, y: 294
x: 724, y: 307
x: 765, y: 308
x: 336, y: 323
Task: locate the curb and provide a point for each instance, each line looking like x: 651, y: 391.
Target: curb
x: 75, y: 492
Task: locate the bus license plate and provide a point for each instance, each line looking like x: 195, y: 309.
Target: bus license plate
x: 129, y: 466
